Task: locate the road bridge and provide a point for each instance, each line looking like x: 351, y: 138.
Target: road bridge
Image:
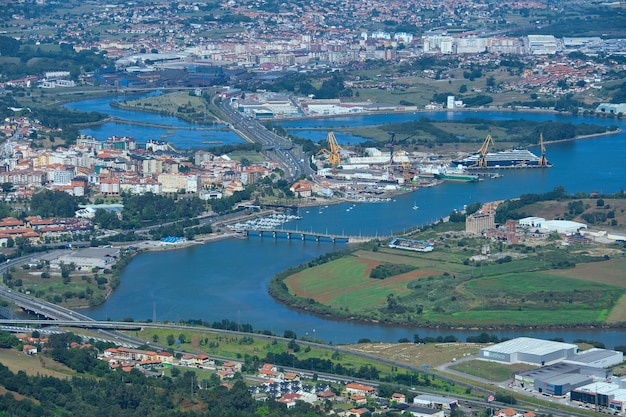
x: 304, y: 235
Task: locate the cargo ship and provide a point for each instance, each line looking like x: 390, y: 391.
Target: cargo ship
x: 513, y: 158
x: 458, y: 174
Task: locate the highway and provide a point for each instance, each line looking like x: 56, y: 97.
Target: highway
x: 290, y: 156
x: 55, y: 314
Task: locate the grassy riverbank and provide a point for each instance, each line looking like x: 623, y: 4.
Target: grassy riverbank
x: 541, y: 284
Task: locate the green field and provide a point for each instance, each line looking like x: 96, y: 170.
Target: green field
x: 491, y: 371
x: 346, y: 283
x: 446, y: 289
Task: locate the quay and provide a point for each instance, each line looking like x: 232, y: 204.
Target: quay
x: 303, y: 235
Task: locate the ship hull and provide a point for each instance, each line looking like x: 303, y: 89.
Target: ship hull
x: 519, y: 158
x: 457, y: 177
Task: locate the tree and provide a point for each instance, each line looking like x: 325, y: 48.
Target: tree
x: 8, y: 340
x: 106, y: 219
x: 48, y: 203
x: 7, y: 187
x: 9, y: 46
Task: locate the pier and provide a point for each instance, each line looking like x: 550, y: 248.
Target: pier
x: 290, y: 234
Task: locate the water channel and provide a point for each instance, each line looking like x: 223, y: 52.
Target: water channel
x: 228, y: 279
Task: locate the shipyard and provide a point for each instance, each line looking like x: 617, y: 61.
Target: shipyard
x: 382, y: 172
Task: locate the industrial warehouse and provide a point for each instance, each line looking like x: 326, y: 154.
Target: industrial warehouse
x: 528, y: 350
x: 611, y: 395
x: 585, y: 376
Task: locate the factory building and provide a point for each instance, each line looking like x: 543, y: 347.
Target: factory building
x: 572, y: 373
x: 476, y: 223
x: 557, y: 379
x: 566, y: 227
x: 602, y: 395
x: 597, y: 358
x: 612, y: 108
x: 528, y: 350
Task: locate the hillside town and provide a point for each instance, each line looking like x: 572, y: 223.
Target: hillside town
x: 177, y: 45
x: 118, y: 165
x: 558, y: 370
x: 253, y: 43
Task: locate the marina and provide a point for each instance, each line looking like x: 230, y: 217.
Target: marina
x: 273, y: 221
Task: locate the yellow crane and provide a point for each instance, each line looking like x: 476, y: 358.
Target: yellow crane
x: 333, y: 154
x: 482, y: 160
x: 543, y: 161
x: 406, y: 172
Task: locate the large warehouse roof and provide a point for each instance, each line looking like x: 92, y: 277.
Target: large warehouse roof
x: 594, y: 355
x: 551, y: 371
x: 530, y: 346
x: 563, y: 226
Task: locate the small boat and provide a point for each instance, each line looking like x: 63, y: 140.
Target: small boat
x: 415, y: 207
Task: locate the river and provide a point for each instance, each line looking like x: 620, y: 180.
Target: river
x: 229, y: 278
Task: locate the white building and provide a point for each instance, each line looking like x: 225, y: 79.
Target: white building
x: 403, y: 37
x: 471, y: 45
x: 438, y: 43
x: 528, y: 350
x: 435, y: 401
x: 173, y: 183
x: 531, y: 222
x: 542, y: 45
x: 452, y: 103
x: 611, y: 108
x: 566, y: 227
x: 597, y: 358
x: 62, y: 177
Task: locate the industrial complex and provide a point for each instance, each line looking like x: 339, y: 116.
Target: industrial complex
x: 585, y: 377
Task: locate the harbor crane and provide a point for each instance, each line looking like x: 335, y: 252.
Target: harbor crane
x: 333, y: 154
x: 392, y: 143
x: 543, y: 161
x: 482, y: 159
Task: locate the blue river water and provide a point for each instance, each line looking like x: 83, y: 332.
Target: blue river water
x: 177, y: 132
x: 229, y: 278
